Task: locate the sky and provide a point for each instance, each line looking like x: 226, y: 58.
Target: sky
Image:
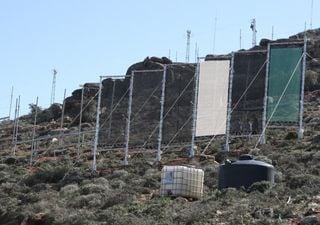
x: 85, y: 39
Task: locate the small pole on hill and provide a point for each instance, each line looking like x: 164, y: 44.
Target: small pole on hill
x: 253, y: 27
x: 311, y: 14
x: 62, y: 117
x: 272, y: 32
x: 240, y: 39
x: 14, y: 121
x: 11, y: 97
x: 33, y: 148
x: 16, y: 126
x: 53, y: 87
x: 80, y: 123
x: 188, y: 46
x: 214, y: 35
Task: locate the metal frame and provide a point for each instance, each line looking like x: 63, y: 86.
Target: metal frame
x: 300, y: 125
x: 127, y: 132
x: 62, y: 117
x: 158, y: 158
x: 195, y: 109
x: 231, y: 73
x: 34, y: 132
x: 264, y: 115
x: 16, y: 125
x: 300, y: 132
x: 80, y: 123
x: 129, y: 112
x: 96, y: 139
x: 287, y: 43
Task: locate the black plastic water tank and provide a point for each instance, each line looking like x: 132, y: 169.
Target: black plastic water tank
x: 244, y: 172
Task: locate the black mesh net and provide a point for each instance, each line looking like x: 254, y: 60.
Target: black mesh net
x: 248, y: 100
x: 114, y: 105
x: 178, y: 103
x: 146, y: 96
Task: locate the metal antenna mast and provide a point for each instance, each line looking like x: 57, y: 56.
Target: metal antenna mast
x: 53, y: 89
x: 188, y: 46
x: 214, y: 35
x: 311, y: 14
x: 254, y: 32
x: 240, y: 41
x: 272, y: 33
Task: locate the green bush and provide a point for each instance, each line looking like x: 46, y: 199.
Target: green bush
x: 47, y: 174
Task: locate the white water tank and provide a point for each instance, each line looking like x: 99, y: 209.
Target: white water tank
x: 182, y: 181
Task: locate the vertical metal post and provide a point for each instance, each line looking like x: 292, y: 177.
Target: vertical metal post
x: 194, y: 110
x: 62, y: 117
x: 229, y: 109
x: 111, y: 109
x: 10, y: 102
x: 253, y: 27
x: 96, y: 137
x: 17, y: 127
x: 188, y: 46
x: 265, y: 102
x: 127, y: 137
x: 300, y: 132
x: 80, y: 124
x: 158, y: 158
x: 34, y: 132
x: 15, y: 121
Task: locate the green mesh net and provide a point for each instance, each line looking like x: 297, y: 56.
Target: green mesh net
x: 285, y: 68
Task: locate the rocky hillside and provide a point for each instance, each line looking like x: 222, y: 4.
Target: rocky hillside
x: 57, y: 188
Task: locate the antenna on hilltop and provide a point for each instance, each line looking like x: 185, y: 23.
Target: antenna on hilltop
x: 311, y: 14
x: 253, y: 27
x: 240, y: 39
x: 53, y: 89
x: 214, y: 35
x: 188, y: 46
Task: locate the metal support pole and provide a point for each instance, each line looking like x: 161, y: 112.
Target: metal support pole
x: 195, y: 106
x: 80, y: 123
x: 265, y: 102
x: 33, y: 145
x: 300, y: 132
x: 229, y: 109
x: 127, y: 137
x: 62, y: 117
x: 15, y: 122
x: 111, y: 109
x: 10, y: 102
x: 161, y: 113
x: 17, y: 127
x: 96, y: 137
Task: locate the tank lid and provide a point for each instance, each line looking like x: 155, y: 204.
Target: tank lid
x: 246, y: 157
